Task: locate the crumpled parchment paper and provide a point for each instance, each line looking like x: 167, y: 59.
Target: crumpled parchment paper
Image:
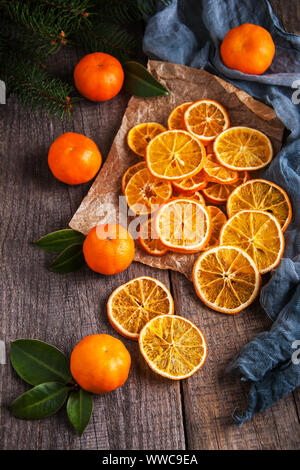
x: 101, y: 205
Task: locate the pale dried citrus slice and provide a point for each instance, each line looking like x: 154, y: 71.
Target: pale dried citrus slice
x: 191, y: 184
x: 173, y: 346
x: 175, y: 119
x: 133, y: 304
x: 132, y: 170
x: 218, y: 173
x: 243, y: 148
x: 149, y: 240
x: 259, y: 234
x: 218, y: 219
x: 139, y: 136
x: 183, y: 225
x: 218, y: 193
x: 262, y: 195
x: 174, y: 155
x: 145, y: 193
x: 197, y: 196
x: 206, y: 119
x: 226, y: 279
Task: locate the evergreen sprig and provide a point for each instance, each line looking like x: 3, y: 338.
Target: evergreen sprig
x: 51, y: 21
x: 36, y: 88
x: 17, y: 40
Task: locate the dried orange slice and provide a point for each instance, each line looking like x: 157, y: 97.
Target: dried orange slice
x: 132, y: 170
x: 243, y: 148
x: 218, y: 193
x: 191, y: 184
x: 133, y: 304
x: 259, y: 234
x: 145, y: 193
x: 139, y: 136
x: 183, y: 225
x: 149, y: 239
x: 261, y: 195
x: 218, y: 173
x: 175, y: 155
x: 218, y: 219
x: 226, y: 279
x: 175, y: 119
x: 206, y: 119
x: 173, y: 346
x: 196, y: 196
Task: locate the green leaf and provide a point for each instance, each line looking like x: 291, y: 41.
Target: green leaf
x: 58, y: 241
x: 79, y: 409
x: 68, y: 260
x: 139, y: 82
x: 41, y: 401
x: 37, y: 362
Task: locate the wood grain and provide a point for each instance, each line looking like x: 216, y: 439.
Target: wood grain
x: 288, y: 14
x: 148, y: 412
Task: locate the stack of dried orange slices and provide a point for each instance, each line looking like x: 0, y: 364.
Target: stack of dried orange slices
x: 200, y: 159
x: 195, y: 190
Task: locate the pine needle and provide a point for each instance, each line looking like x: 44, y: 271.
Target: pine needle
x: 36, y: 88
x: 50, y: 20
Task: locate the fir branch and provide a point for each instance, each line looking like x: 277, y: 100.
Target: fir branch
x: 49, y: 20
x: 77, y: 7
x: 36, y: 88
x: 17, y: 40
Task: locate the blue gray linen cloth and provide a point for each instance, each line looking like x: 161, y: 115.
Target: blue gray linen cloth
x: 190, y: 32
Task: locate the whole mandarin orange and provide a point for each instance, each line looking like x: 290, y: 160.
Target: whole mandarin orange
x: 74, y: 158
x: 248, y: 48
x: 100, y: 363
x: 108, y: 249
x: 98, y: 76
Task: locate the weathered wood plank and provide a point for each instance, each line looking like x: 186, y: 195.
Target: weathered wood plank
x: 146, y: 412
x: 288, y: 14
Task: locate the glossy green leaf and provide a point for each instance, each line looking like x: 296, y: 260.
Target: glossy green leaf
x: 69, y: 260
x: 37, y: 362
x: 139, y: 82
x: 58, y: 241
x: 41, y: 401
x: 79, y: 409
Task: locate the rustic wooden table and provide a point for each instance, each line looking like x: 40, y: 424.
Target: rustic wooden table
x: 148, y: 412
